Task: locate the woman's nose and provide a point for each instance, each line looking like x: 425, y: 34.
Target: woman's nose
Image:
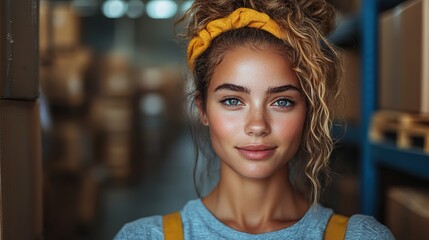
x: 257, y: 124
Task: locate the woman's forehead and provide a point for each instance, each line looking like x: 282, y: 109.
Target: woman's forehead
x: 254, y: 67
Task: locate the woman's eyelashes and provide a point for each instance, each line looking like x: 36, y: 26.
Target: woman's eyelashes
x: 234, y: 102
x: 231, y: 102
x: 283, y: 103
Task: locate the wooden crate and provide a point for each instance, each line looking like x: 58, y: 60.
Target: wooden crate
x: 405, y: 128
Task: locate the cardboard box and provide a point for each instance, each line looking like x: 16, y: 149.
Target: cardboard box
x: 71, y: 146
x: 44, y: 30
x: 87, y: 204
x: 407, y: 213
x: 66, y: 88
x: 115, y: 76
x: 112, y: 115
x: 121, y: 174
x: 59, y: 27
x: 21, y: 170
x: 351, y: 85
x: 404, y: 57
x: 117, y: 150
x: 19, y: 56
x: 61, y: 206
x: 65, y: 27
x: 64, y: 82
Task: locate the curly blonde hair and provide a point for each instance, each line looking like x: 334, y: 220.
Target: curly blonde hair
x: 313, y: 58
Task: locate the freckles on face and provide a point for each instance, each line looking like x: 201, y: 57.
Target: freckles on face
x: 255, y: 111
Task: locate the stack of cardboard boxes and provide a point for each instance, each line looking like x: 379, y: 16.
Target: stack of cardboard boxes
x: 404, y: 90
x: 351, y: 85
x: 20, y: 136
x: 90, y: 97
x: 69, y: 168
x: 408, y: 212
x: 112, y: 114
x: 404, y: 57
x: 63, y: 66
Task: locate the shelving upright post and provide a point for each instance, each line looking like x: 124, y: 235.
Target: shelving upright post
x: 369, y: 176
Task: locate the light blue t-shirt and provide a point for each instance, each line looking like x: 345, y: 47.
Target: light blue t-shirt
x: 199, y: 223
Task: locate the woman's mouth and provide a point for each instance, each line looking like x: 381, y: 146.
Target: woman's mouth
x: 256, y: 152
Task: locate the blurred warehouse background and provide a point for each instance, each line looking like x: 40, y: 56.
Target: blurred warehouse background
x: 115, y: 142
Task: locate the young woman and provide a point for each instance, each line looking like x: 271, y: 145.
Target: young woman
x: 266, y: 80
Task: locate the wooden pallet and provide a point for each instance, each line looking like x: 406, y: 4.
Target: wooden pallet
x: 405, y: 126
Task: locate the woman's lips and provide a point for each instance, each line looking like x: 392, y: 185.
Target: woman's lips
x: 256, y: 152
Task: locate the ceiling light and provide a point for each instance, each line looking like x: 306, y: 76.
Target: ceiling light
x: 161, y: 9
x: 114, y: 8
x: 186, y: 5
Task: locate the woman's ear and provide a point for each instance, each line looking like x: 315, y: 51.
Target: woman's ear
x: 201, y: 112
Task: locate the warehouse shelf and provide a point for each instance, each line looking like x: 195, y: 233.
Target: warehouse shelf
x: 414, y: 162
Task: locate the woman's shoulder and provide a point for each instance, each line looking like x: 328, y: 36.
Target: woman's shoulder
x: 151, y: 227
x: 366, y: 227
x: 143, y: 228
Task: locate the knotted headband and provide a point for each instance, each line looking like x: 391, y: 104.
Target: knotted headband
x: 241, y: 17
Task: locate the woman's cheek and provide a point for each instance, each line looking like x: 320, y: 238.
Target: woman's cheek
x: 289, y: 127
x: 225, y: 123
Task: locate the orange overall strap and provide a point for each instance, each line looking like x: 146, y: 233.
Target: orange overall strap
x: 172, y: 224
x: 336, y: 228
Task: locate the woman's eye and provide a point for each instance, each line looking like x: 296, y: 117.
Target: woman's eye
x: 232, y: 102
x: 283, y: 103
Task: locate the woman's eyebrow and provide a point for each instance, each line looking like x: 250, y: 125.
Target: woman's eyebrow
x: 284, y: 88
x: 232, y: 87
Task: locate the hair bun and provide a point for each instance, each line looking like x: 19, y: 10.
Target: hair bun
x: 320, y: 12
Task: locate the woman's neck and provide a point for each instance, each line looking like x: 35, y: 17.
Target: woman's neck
x: 256, y: 205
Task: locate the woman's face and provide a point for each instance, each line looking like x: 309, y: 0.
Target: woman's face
x: 255, y: 112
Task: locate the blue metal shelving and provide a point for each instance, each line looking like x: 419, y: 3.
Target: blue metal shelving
x: 369, y: 177
x: 414, y: 162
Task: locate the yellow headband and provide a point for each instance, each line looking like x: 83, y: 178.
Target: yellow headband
x: 241, y: 17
